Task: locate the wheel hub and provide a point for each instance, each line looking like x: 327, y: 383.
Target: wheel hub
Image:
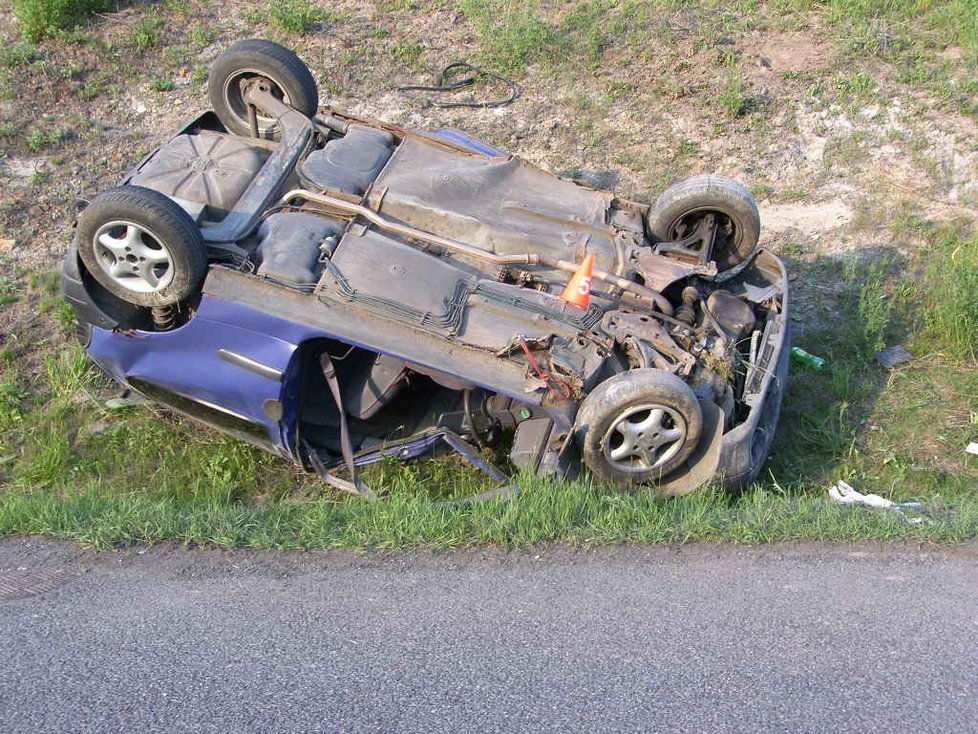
x: 644, y: 437
x: 133, y: 257
x: 236, y: 93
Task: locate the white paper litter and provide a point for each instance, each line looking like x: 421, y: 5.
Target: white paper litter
x: 972, y: 448
x: 845, y: 494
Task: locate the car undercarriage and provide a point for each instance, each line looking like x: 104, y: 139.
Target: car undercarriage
x: 340, y: 290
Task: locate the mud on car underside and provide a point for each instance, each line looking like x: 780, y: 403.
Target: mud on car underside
x: 338, y: 289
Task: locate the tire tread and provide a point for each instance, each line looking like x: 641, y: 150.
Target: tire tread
x: 612, y: 396
x: 165, y: 217
x: 707, y: 191
x: 280, y: 62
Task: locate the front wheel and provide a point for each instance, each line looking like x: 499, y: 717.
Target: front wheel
x: 256, y: 61
x: 638, y: 426
x: 683, y: 205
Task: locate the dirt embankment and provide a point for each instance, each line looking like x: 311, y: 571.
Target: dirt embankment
x: 830, y: 149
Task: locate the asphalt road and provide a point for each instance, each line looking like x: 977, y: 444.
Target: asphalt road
x: 695, y: 639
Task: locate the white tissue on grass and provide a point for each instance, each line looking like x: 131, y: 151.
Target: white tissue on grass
x: 843, y: 493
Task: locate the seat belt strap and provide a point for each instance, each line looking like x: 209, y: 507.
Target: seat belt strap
x: 354, y: 485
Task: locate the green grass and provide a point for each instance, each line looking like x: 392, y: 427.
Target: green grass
x: 292, y: 17
x: 513, y: 34
x: 19, y: 54
x: 11, y: 399
x: 406, y: 51
x: 146, y: 33
x: 107, y: 478
x: 295, y: 16
x: 104, y: 517
x: 857, y: 86
x: 8, y: 291
x: 950, y: 317
x: 72, y: 468
x: 732, y: 98
x: 516, y: 34
x: 38, y: 138
x: 909, y: 35
x: 38, y: 19
x: 901, y: 431
x: 162, y: 85
x: 866, y: 297
x: 883, y: 27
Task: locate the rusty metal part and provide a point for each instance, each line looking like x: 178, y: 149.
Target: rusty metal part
x: 330, y: 123
x: 661, y: 271
x: 340, y: 205
x: 557, y: 387
x: 687, y: 312
x: 698, y: 244
x: 640, y: 354
x: 555, y: 218
x: 253, y: 121
x: 297, y: 134
x: 164, y: 317
x: 624, y: 324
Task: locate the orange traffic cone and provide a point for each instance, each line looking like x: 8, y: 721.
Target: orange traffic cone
x: 578, y: 290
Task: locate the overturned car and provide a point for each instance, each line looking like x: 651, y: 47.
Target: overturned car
x: 339, y: 290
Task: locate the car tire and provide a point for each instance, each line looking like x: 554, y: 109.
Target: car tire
x: 255, y: 59
x: 636, y: 427
x: 141, y: 246
x: 679, y: 208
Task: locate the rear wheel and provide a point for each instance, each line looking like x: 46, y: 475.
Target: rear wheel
x: 141, y: 246
x: 683, y: 205
x: 638, y: 426
x: 256, y: 61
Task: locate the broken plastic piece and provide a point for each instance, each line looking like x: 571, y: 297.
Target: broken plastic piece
x: 845, y: 494
x: 972, y: 448
x: 892, y: 356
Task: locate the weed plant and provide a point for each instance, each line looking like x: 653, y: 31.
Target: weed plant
x: 951, y: 283
x: 146, y: 33
x: 38, y: 19
x: 295, y: 16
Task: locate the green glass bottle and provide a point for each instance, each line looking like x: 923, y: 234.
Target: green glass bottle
x: 800, y: 356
